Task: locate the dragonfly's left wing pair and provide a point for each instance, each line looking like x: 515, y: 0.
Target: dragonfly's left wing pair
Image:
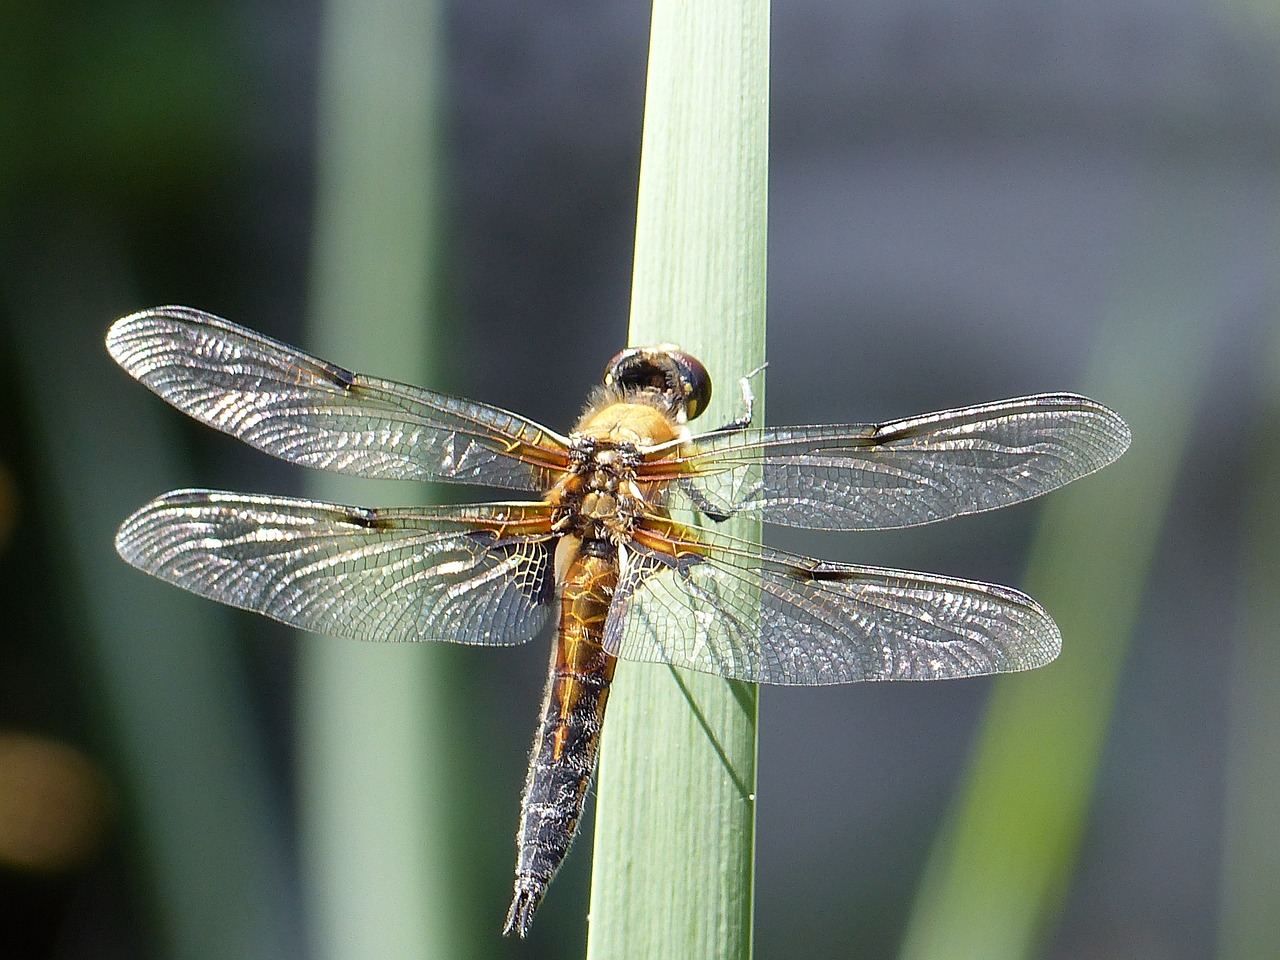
x: 479, y: 574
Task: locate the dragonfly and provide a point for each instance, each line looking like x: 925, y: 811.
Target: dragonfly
x: 617, y: 544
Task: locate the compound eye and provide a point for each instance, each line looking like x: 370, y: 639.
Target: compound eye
x: 667, y: 370
x: 695, y: 382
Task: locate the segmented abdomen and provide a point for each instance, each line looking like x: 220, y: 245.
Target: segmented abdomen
x: 564, y: 753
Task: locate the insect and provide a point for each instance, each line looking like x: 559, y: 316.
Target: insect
x: 609, y: 550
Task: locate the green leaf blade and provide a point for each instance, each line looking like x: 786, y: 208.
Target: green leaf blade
x: 675, y: 822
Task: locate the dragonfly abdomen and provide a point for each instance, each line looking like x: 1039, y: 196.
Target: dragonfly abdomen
x: 564, y: 752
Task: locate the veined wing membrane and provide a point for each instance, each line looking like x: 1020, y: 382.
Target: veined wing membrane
x: 314, y: 413
x: 478, y: 574
x: 818, y: 623
x: 901, y: 473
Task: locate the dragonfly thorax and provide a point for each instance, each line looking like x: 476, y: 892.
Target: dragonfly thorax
x: 599, y: 498
x: 640, y: 421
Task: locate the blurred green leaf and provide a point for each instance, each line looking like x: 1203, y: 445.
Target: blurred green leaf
x: 1249, y: 922
x: 1002, y: 865
x: 380, y: 753
x: 127, y: 103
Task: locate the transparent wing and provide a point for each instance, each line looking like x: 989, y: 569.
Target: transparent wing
x: 314, y: 413
x: 819, y: 623
x: 897, y: 474
x: 479, y: 574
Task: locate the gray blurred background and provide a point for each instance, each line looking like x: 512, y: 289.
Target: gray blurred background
x: 967, y: 202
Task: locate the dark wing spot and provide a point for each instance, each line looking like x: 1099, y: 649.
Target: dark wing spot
x: 366, y: 518
x: 340, y: 376
x: 818, y: 573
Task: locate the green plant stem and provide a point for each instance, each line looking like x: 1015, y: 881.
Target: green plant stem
x: 675, y: 822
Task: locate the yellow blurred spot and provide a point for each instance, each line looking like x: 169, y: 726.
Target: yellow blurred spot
x: 54, y: 804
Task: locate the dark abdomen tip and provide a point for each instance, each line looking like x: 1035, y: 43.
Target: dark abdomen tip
x: 520, y: 916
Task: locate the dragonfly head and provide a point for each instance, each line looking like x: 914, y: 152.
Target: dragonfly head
x: 666, y: 371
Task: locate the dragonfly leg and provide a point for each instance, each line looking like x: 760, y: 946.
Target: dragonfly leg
x: 748, y: 404
x: 705, y: 506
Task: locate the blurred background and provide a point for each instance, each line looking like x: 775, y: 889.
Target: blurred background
x: 969, y: 201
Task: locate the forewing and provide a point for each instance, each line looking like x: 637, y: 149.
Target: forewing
x: 314, y: 413
x: 478, y: 574
x: 735, y: 610
x: 897, y: 474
